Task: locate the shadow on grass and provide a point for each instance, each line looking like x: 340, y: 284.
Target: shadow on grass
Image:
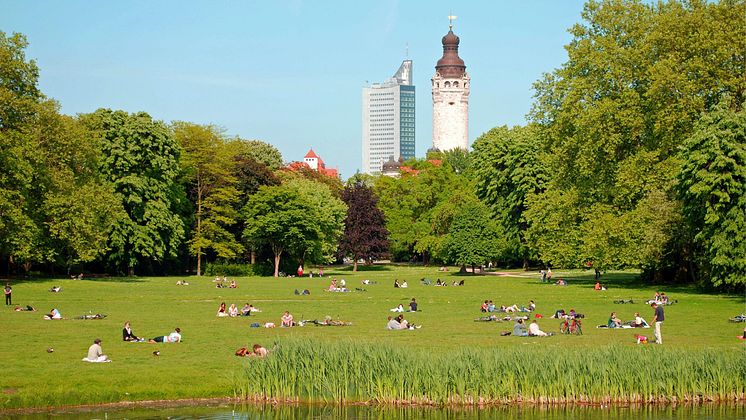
x: 374, y: 267
x: 39, y: 280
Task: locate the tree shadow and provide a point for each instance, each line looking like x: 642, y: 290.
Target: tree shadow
x: 363, y: 268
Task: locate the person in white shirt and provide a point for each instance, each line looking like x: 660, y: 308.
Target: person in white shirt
x: 174, y: 337
x: 533, y: 330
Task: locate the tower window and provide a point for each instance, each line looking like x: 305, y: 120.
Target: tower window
x: 455, y: 84
x: 447, y: 84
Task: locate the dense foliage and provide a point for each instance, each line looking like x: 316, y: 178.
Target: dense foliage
x: 633, y: 157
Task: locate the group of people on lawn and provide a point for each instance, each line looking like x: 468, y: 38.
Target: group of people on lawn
x: 233, y: 311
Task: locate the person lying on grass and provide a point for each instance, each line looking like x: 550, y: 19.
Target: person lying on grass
x: 257, y: 351
x: 174, y: 337
x: 399, y: 308
x: 27, y: 308
x: 535, y: 331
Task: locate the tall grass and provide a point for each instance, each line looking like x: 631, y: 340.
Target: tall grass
x: 344, y: 372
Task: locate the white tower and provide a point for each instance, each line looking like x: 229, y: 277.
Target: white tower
x: 450, y: 98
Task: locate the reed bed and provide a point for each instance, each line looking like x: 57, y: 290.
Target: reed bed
x: 303, y: 370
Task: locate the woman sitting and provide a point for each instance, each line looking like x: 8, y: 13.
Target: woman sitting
x: 639, y: 322
x: 614, y: 322
x: 233, y: 284
x: 221, y: 310
x: 233, y: 310
x: 128, y: 335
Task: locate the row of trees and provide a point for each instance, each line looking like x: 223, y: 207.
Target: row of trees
x: 113, y: 191
x: 633, y: 156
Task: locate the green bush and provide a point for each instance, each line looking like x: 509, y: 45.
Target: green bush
x: 219, y: 268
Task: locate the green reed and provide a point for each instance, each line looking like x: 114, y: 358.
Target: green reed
x: 344, y: 372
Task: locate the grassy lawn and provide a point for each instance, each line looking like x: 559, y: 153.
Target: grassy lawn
x: 204, y: 365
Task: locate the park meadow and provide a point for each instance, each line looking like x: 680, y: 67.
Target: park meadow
x: 452, y: 359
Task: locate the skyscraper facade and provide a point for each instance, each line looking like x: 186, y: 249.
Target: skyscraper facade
x: 389, y: 120
x: 450, y: 86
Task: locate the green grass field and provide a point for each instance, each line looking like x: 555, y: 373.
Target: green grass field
x: 204, y: 365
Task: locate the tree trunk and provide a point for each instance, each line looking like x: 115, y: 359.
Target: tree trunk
x: 463, y: 269
x: 473, y: 269
x: 199, y: 227
x: 253, y: 256
x: 277, y: 264
x: 354, y: 265
x: 199, y: 261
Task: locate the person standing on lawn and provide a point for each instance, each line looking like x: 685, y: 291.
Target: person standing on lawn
x: 8, y: 290
x: 658, y: 319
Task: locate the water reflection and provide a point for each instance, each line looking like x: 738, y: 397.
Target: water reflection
x: 254, y: 412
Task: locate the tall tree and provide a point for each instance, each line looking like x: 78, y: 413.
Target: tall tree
x: 473, y: 238
x: 299, y: 217
x: 140, y: 158
x: 508, y: 167
x: 365, y: 236
x: 712, y: 187
x: 208, y: 164
x: 258, y: 150
x: 638, y: 77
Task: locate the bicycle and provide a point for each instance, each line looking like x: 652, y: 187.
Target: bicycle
x: 571, y: 325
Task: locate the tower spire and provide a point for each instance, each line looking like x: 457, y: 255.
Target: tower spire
x: 451, y: 18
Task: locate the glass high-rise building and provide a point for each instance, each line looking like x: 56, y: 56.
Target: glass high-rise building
x: 389, y: 120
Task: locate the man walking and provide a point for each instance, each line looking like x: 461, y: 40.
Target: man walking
x: 658, y: 318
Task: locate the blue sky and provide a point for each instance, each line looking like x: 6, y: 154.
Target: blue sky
x: 291, y: 72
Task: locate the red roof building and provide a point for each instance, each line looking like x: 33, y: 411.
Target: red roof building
x: 313, y: 161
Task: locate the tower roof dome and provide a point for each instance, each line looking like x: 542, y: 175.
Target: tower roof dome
x: 450, y: 65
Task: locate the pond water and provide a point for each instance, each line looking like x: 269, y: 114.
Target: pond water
x: 292, y: 412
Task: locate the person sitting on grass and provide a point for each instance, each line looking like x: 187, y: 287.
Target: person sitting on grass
x: 221, y: 310
x: 535, y: 331
x: 286, y: 320
x: 127, y: 334
x: 519, y: 328
x: 639, y: 322
x: 484, y: 307
x: 246, y: 310
x: 404, y: 285
x: 399, y: 308
x: 96, y: 353
x: 614, y: 321
x: 233, y: 285
x: 396, y: 283
x: 53, y: 314
x: 405, y: 325
x: 413, y: 306
x: 560, y: 282
x: 490, y: 306
x: 233, y: 310
x: 174, y: 337
x: 393, y: 324
x: 55, y: 289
